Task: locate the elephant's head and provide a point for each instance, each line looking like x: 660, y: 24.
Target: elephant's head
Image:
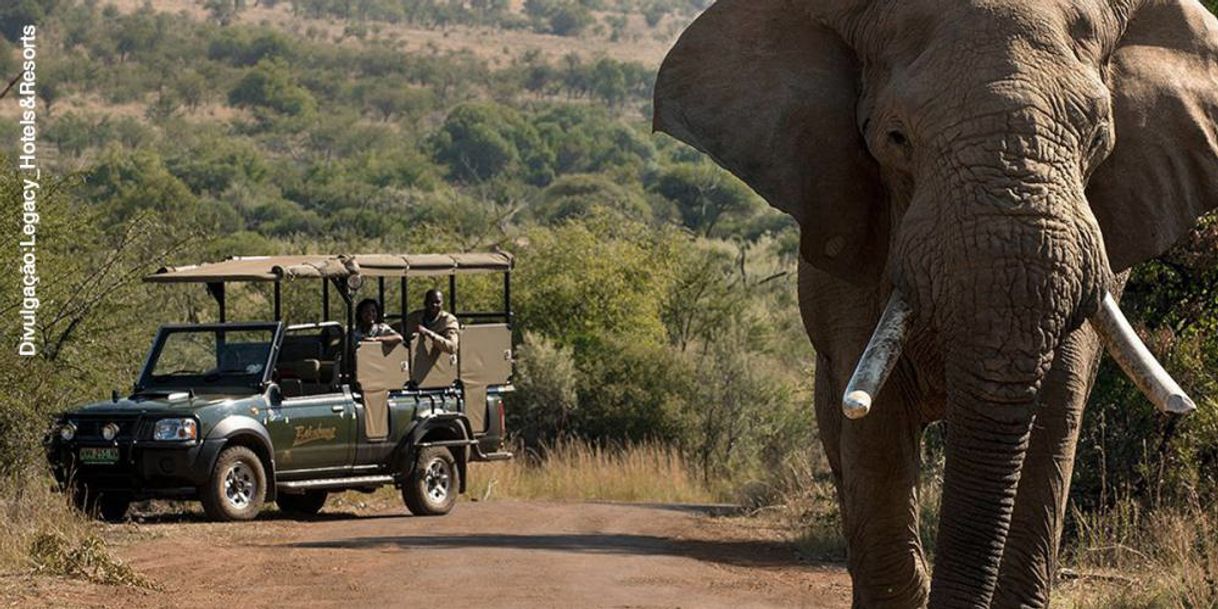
x: 992, y: 162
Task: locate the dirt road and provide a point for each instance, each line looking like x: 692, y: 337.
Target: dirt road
x: 494, y: 554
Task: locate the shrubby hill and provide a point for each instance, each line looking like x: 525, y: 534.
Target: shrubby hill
x: 183, y: 131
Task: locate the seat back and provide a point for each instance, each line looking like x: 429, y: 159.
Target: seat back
x: 431, y: 367
x: 379, y: 368
x: 486, y: 359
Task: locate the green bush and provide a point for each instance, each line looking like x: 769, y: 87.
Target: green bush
x: 546, y: 398
x: 271, y: 85
x: 479, y: 141
x: 1127, y: 450
x: 582, y: 196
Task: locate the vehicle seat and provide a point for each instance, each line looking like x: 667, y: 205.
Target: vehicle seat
x: 291, y: 388
x: 331, y: 343
x: 305, y: 370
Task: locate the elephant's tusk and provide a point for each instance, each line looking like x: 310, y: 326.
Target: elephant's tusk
x: 1137, y: 361
x: 878, y: 359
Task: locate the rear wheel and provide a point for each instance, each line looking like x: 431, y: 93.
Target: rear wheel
x: 237, y: 486
x: 304, y: 504
x: 431, y: 487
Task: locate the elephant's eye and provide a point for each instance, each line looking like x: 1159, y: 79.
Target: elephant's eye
x: 897, y: 138
x: 1098, y: 139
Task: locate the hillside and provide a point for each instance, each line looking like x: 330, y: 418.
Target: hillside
x: 635, y: 40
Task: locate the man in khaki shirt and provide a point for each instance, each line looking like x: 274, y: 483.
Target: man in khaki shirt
x: 434, y: 323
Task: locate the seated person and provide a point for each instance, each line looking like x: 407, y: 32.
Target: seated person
x: 368, y: 324
x: 434, y: 323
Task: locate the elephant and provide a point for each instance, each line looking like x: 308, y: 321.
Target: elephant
x: 972, y: 180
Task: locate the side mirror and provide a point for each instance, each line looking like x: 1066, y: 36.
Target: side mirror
x: 114, y: 395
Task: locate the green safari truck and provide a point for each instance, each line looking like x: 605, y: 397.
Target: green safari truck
x: 237, y: 414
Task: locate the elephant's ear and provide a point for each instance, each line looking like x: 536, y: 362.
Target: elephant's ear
x: 771, y: 96
x: 1163, y: 172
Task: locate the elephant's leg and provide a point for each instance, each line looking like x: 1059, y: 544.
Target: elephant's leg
x: 1030, y: 557
x: 875, y: 459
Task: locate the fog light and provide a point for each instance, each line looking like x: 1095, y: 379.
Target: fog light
x: 67, y: 432
x: 109, y: 431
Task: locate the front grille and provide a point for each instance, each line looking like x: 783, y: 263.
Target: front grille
x: 90, y: 427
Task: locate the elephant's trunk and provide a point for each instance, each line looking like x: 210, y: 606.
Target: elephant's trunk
x: 994, y: 369
x: 985, y: 452
x: 1001, y: 300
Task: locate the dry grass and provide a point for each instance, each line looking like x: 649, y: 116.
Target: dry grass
x: 810, y: 511
x: 1128, y: 557
x: 41, y: 533
x: 575, y: 471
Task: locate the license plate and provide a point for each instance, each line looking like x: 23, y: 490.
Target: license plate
x: 92, y: 454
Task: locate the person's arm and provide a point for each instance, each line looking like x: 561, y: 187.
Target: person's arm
x: 388, y: 335
x: 447, y: 342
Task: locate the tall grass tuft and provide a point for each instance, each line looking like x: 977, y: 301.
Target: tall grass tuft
x: 1128, y: 556
x: 41, y: 533
x: 574, y: 470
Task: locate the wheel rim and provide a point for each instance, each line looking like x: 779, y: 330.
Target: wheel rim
x: 240, y: 486
x: 437, y: 480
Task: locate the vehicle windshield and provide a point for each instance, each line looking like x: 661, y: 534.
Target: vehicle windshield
x: 201, y: 357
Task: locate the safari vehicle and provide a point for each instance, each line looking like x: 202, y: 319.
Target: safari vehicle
x: 236, y: 414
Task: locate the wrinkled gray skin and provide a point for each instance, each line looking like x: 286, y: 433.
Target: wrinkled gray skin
x: 999, y: 163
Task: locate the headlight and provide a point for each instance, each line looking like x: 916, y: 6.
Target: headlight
x: 109, y: 431
x: 175, y: 429
x: 67, y: 432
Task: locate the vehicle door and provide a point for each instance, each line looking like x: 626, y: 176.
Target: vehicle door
x: 313, y: 435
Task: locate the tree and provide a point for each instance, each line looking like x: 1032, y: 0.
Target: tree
x: 16, y: 14
x: 223, y: 12
x: 569, y: 19
x: 271, y: 85
x: 397, y: 98
x: 581, y: 281
x: 581, y: 196
x: 137, y: 33
x: 561, y: 17
x: 705, y: 195
x: 124, y: 184
x: 608, y: 81
x: 481, y: 140
x: 191, y: 87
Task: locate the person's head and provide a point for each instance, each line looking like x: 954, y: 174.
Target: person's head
x: 433, y: 302
x: 367, y: 312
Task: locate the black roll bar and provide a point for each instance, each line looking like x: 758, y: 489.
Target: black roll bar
x: 216, y: 289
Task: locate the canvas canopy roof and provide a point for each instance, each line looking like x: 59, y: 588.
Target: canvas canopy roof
x: 278, y: 268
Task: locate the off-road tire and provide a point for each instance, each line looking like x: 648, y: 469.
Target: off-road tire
x: 110, y: 507
x: 431, y: 487
x: 308, y: 503
x: 237, y: 486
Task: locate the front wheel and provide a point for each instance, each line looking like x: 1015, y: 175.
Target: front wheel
x: 431, y: 487
x: 237, y: 486
x: 110, y: 507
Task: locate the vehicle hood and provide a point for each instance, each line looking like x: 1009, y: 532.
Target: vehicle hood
x: 164, y: 401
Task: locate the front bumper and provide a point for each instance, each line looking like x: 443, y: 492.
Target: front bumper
x: 145, y: 470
